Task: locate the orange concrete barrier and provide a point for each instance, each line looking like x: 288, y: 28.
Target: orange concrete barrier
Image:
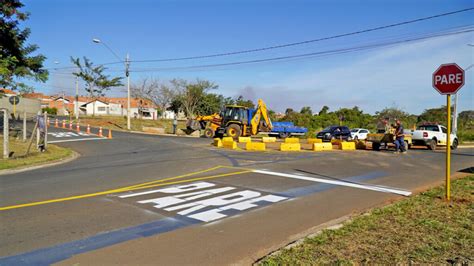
x: 110, y: 134
x: 100, y: 132
x: 88, y: 129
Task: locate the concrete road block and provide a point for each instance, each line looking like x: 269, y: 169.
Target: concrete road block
x: 336, y: 141
x: 347, y: 146
x: 325, y: 146
x: 227, y: 139
x: 269, y: 139
x: 292, y: 140
x: 217, y: 142
x: 255, y: 146
x: 245, y: 139
x: 313, y: 140
x: 229, y: 144
x: 290, y: 147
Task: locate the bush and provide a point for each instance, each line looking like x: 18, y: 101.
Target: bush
x: 51, y: 111
x: 465, y: 135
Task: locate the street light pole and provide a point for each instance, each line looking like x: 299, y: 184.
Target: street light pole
x: 76, y: 107
x: 127, y: 66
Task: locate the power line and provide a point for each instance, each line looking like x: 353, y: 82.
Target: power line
x: 307, y: 41
x: 313, y: 54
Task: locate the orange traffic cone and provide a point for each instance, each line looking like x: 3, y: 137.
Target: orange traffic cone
x: 88, y: 129
x: 56, y: 123
x: 70, y: 125
x: 100, y: 132
x: 110, y: 134
x: 78, y: 129
x: 64, y: 123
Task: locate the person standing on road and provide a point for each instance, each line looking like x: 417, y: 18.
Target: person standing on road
x: 175, y: 124
x: 399, y: 139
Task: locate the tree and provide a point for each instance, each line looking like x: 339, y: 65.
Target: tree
x: 289, y: 111
x: 158, y: 93
x: 16, y: 59
x: 97, y: 83
x: 306, y: 110
x: 191, y: 94
x: 323, y: 110
x: 242, y: 102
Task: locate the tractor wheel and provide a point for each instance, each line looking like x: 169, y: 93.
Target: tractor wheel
x: 375, y: 146
x: 233, y: 131
x: 209, y: 133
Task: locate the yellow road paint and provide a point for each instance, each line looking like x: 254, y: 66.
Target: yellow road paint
x: 292, y: 140
x: 290, y: 147
x: 134, y: 187
x: 255, y: 146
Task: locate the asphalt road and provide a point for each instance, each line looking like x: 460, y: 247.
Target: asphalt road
x: 141, y: 199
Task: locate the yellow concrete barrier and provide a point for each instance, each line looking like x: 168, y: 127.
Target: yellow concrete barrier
x: 292, y: 140
x: 269, y: 139
x: 229, y: 144
x: 290, y: 147
x: 227, y: 139
x: 217, y: 142
x: 325, y: 146
x: 255, y: 146
x: 347, y: 146
x: 245, y: 139
x: 312, y: 140
x: 336, y: 141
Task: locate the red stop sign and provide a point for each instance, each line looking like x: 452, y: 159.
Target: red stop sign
x: 448, y: 78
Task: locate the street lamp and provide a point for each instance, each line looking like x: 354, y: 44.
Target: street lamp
x: 127, y: 66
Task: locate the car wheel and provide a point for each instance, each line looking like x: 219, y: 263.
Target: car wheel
x: 432, y: 145
x: 407, y: 146
x: 356, y: 138
x: 233, y: 131
x: 455, y: 144
x: 283, y: 135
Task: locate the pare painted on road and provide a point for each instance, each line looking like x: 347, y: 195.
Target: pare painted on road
x: 204, y: 201
x: 68, y: 134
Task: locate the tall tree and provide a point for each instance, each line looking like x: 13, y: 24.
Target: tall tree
x: 97, y: 83
x: 240, y: 100
x: 191, y: 94
x: 16, y: 59
x: 152, y: 89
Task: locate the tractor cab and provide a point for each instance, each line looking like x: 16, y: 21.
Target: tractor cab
x: 235, y: 113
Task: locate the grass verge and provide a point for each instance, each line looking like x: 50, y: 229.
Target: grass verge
x: 34, y: 158
x: 120, y: 123
x: 421, y: 229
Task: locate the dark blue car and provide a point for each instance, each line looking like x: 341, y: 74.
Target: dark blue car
x: 334, y: 132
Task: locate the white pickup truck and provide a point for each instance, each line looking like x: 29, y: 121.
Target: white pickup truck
x: 432, y: 135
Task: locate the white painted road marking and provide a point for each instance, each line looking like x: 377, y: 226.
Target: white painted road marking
x: 68, y: 134
x: 208, y: 209
x: 70, y: 140
x: 339, y: 183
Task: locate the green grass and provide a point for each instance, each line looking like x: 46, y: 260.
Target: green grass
x: 120, y: 123
x: 421, y: 229
x: 34, y: 158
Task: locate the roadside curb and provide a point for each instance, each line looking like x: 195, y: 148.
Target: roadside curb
x: 70, y: 158
x: 465, y: 146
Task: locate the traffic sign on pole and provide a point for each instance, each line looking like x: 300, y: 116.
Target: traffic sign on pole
x: 447, y: 80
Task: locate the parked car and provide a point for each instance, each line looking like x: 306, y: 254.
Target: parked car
x: 359, y: 133
x: 334, y: 132
x: 432, y: 135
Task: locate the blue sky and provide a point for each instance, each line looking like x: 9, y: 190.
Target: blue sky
x: 391, y: 76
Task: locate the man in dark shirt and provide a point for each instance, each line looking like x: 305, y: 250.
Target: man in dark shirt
x: 399, y: 140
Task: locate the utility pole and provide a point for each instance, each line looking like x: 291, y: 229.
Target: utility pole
x: 127, y: 66
x: 76, y: 105
x: 6, y: 127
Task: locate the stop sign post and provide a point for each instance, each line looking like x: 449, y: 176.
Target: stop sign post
x: 447, y: 80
